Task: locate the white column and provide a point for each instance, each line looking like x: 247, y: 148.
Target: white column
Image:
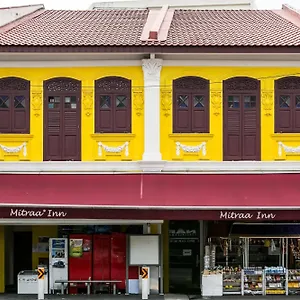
x: 151, y: 69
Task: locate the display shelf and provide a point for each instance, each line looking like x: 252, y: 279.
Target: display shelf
x: 294, y: 282
x: 232, y: 281
x: 253, y: 281
x: 276, y: 279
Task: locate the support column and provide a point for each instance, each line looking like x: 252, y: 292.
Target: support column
x: 151, y: 69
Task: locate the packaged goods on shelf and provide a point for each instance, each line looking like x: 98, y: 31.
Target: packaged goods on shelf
x: 294, y: 282
x: 276, y: 281
x: 253, y: 281
x: 232, y: 281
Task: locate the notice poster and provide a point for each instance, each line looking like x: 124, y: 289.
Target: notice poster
x: 43, y: 244
x: 86, y: 247
x: 76, y: 247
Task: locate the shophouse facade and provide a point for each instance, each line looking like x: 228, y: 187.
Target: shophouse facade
x: 154, y: 118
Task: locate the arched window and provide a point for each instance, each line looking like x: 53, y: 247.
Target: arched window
x: 190, y: 105
x: 113, y: 105
x: 14, y: 105
x: 287, y: 104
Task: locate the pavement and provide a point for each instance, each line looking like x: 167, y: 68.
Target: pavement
x: 92, y: 297
x: 138, y: 297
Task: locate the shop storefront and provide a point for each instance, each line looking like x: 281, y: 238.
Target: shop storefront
x: 216, y: 206
x: 253, y: 258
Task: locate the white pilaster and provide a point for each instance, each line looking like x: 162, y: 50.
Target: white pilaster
x: 151, y: 69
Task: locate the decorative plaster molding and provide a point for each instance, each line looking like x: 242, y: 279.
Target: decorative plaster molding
x: 166, y: 101
x: 216, y: 101
x: 287, y: 149
x: 191, y: 149
x: 109, y: 149
x: 267, y: 102
x: 88, y: 102
x: 151, y: 69
x: 16, y: 149
x: 37, y: 103
x: 138, y: 101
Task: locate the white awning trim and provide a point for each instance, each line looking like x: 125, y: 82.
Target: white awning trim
x: 145, y: 207
x: 77, y: 222
x: 153, y: 167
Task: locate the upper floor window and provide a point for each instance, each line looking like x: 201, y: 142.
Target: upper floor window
x: 190, y: 105
x: 287, y: 104
x: 14, y: 105
x: 112, y: 105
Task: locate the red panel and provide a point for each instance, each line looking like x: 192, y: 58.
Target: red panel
x: 101, y: 256
x: 80, y: 268
x: 118, y: 258
x: 133, y: 272
x: 215, y: 191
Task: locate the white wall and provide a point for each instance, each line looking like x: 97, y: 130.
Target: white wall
x: 11, y: 14
x: 187, y: 4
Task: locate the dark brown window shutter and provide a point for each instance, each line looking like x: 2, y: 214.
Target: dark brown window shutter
x: 287, y: 104
x: 190, y: 105
x: 14, y: 105
x: 182, y: 113
x: 122, y: 113
x: 200, y: 113
x: 112, y: 105
x: 104, y: 113
x: 284, y: 113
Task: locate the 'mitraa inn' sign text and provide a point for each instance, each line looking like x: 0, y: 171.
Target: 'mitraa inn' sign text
x: 37, y: 213
x: 250, y: 215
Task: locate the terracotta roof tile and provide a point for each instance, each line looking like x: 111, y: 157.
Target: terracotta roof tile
x: 125, y: 27
x: 232, y: 28
x: 76, y: 28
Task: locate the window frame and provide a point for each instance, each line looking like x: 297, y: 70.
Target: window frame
x: 12, y: 87
x: 113, y: 87
x: 286, y: 86
x: 191, y: 86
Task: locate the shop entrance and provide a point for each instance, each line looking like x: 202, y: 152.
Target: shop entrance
x: 22, y: 252
x: 184, y: 256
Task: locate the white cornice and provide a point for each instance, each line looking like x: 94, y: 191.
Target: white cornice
x: 69, y: 64
x: 153, y: 167
x: 232, y: 63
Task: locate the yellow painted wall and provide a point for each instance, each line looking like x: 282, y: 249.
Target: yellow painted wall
x: 89, y: 140
x: 37, y: 231
x: 2, y: 260
x: 214, y: 140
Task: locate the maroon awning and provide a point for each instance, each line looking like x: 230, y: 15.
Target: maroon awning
x: 152, y: 190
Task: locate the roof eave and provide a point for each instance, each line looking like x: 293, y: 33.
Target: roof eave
x: 150, y: 49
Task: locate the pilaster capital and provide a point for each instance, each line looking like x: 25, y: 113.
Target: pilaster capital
x: 152, y: 68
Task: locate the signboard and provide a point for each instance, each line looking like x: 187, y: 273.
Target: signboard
x: 144, y: 272
x: 23, y: 213
x: 41, y: 273
x: 144, y: 250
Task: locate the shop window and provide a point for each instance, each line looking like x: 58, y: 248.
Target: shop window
x: 14, y: 105
x: 113, y: 105
x: 287, y: 105
x: 190, y: 105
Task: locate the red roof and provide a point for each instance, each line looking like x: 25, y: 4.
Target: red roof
x: 124, y: 28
